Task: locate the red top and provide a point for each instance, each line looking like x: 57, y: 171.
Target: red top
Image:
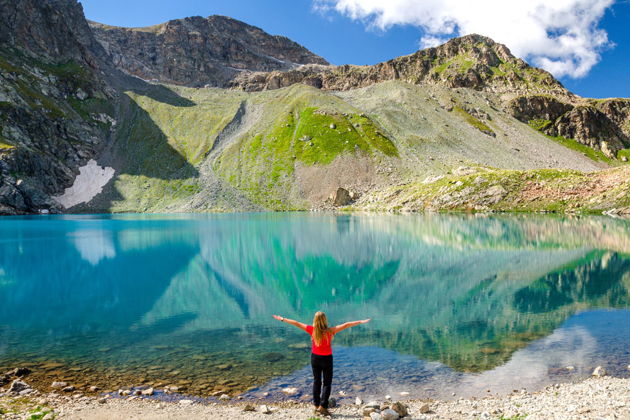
x: 324, y: 349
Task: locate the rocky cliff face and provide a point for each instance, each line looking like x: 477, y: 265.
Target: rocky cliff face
x: 472, y: 61
x: 196, y: 51
x: 601, y: 125
x: 54, y: 100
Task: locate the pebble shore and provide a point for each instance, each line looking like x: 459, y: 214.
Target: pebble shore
x: 596, y: 398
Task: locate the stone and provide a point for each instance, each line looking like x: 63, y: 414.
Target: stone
x: 224, y: 397
x: 425, y: 409
x: 264, y: 409
x: 358, y: 401
x: 59, y: 385
x: 68, y: 388
x: 332, y: 402
x: 81, y: 95
x: 404, y: 394
x: 369, y: 410
x: 389, y: 414
x: 137, y: 392
x: 333, y: 126
x: 94, y: 389
x: 185, y: 402
x: 102, y: 400
x: 624, y: 158
x: 376, y: 416
x: 342, y: 197
x: 18, y: 386
x: 148, y: 392
x: 599, y: 371
x: 249, y: 407
x: 464, y: 170
x: 19, y: 372
x: 290, y: 390
x: 400, y: 408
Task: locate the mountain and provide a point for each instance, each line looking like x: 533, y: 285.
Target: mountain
x: 197, y: 51
x: 211, y: 114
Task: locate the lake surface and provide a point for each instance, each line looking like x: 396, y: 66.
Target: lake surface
x: 460, y: 304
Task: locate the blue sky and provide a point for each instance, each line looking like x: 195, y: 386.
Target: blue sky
x: 365, y: 32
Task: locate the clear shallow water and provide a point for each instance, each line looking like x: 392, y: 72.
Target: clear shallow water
x: 460, y: 303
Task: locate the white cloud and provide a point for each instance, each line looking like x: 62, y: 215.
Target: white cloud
x: 562, y: 36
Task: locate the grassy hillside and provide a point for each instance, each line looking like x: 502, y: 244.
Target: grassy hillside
x: 185, y: 149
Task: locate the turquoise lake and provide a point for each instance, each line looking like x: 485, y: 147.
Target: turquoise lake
x: 461, y: 304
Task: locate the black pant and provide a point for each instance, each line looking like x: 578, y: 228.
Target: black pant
x: 322, y: 365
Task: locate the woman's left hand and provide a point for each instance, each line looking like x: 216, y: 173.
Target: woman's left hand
x: 278, y: 317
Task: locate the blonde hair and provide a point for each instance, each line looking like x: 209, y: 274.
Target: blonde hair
x: 320, y: 327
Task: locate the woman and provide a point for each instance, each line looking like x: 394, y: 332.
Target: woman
x: 321, y: 357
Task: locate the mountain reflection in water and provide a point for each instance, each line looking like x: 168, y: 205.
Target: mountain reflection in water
x: 186, y: 298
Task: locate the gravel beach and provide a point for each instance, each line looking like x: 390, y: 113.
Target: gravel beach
x: 594, y: 398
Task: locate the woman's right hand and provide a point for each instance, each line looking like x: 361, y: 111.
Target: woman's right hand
x: 278, y: 317
x: 365, y: 321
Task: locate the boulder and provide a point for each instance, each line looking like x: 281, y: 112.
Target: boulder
x: 19, y: 372
x: 389, y: 414
x: 400, y: 408
x: 342, y: 197
x: 18, y: 386
x: 599, y: 371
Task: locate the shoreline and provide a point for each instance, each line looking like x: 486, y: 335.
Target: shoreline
x: 593, y: 398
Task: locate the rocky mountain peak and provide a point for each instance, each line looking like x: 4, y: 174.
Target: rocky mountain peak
x: 198, y: 51
x: 54, y: 29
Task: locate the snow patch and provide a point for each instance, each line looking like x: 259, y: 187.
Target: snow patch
x: 90, y: 182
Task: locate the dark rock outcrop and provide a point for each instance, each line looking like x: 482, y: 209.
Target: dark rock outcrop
x: 198, y: 51
x: 54, y: 93
x: 599, y: 125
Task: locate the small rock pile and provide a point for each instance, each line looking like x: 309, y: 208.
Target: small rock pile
x: 374, y: 410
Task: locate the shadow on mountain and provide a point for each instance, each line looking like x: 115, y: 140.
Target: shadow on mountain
x: 157, y: 92
x: 140, y: 148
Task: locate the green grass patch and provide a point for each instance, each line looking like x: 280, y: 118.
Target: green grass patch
x: 37, y: 100
x: 91, y: 106
x: 262, y: 164
x: 190, y: 130
x: 539, y: 124
x: 5, y: 146
x: 475, y: 122
x: 589, y: 152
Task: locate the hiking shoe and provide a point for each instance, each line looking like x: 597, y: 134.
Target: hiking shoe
x: 324, y: 412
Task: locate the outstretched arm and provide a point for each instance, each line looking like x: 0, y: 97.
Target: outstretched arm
x: 291, y: 322
x: 342, y: 327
